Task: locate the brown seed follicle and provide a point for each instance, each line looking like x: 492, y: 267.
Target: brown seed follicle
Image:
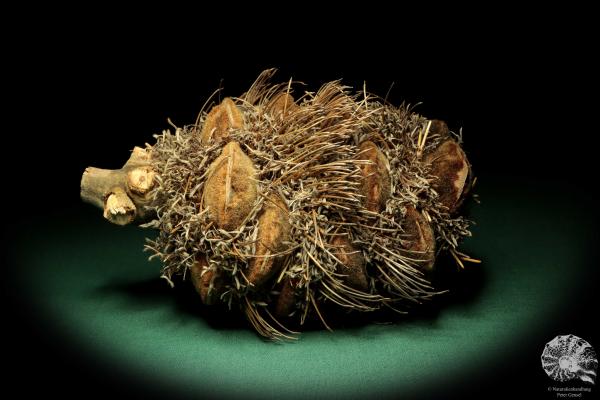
x: 220, y: 120
x: 450, y: 171
x: 202, y: 277
x: 286, y: 300
x: 282, y: 104
x: 439, y: 127
x: 230, y: 190
x: 272, y: 239
x: 420, y: 239
x: 121, y: 193
x: 376, y: 185
x: 352, y: 263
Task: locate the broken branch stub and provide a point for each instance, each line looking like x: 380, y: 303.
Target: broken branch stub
x: 123, y: 194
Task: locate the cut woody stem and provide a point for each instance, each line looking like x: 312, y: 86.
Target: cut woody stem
x: 123, y: 193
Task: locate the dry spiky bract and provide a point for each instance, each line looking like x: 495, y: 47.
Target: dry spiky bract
x: 220, y: 120
x: 288, y: 210
x: 231, y: 188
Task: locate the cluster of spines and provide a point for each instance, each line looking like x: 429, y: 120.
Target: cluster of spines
x: 347, y: 184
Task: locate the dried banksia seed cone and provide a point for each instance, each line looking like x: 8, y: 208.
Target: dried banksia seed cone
x: 280, y: 207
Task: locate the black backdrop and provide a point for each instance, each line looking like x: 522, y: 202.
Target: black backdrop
x: 83, y: 91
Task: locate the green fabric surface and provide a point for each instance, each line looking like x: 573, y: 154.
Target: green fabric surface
x: 93, y: 283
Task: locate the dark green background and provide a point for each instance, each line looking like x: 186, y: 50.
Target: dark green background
x: 87, y: 314
x: 97, y: 293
